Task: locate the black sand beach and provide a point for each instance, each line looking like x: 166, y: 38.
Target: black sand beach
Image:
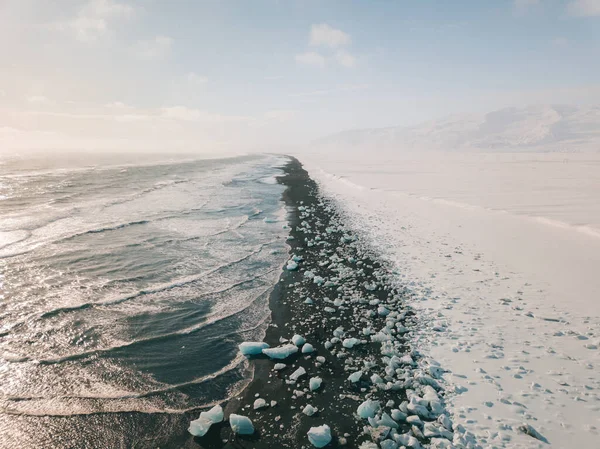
x: 359, y: 283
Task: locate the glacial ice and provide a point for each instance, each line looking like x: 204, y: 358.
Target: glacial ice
x: 319, y: 436
x: 252, y: 347
x: 355, y: 377
x: 279, y: 366
x: 280, y: 352
x: 259, y: 403
x: 241, y: 425
x: 315, y: 383
x: 200, y: 426
x: 368, y: 409
x: 350, y: 342
x: 307, y: 348
x: 298, y: 340
x: 297, y: 374
x: 309, y: 410
x: 291, y: 266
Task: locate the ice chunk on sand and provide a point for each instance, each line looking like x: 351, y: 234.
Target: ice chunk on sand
x: 280, y: 352
x: 298, y: 340
x: 307, y: 348
x: 315, y: 383
x: 279, y: 366
x: 291, y: 266
x: 309, y: 410
x: 355, y: 377
x: 350, y: 342
x: 296, y: 374
x: 319, y: 436
x: 259, y: 403
x: 368, y: 409
x: 241, y: 424
x: 200, y: 426
x: 252, y: 347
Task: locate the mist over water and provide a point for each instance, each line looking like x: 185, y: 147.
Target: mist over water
x: 124, y: 291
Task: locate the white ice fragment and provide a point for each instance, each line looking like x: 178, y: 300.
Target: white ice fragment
x: 329, y: 309
x: 350, y: 342
x: 280, y: 352
x: 252, y: 347
x: 382, y: 311
x: 279, y: 366
x: 298, y: 340
x: 319, y: 436
x: 296, y: 374
x: 309, y: 410
x: 368, y: 409
x: 200, y: 426
x: 291, y: 266
x: 307, y: 348
x: 315, y: 383
x: 259, y: 403
x: 355, y: 377
x: 320, y: 359
x: 241, y: 424
x: 308, y: 301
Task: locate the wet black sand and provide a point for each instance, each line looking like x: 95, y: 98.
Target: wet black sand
x: 284, y: 425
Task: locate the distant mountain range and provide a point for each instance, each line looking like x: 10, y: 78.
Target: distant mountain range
x: 556, y: 128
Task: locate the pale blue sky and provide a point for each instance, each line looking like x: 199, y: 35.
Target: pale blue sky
x: 211, y: 75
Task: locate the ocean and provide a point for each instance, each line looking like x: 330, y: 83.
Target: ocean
x: 125, y: 290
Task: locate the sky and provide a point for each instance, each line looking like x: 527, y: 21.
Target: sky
x: 237, y: 75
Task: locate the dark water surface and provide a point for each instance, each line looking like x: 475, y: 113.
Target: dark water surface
x: 124, y: 292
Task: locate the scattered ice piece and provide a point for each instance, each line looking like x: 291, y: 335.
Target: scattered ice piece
x: 291, y: 266
x: 252, y: 347
x: 308, y: 301
x: 241, y: 425
x: 279, y: 366
x: 383, y: 311
x: 298, y: 340
x: 200, y: 426
x: 307, y: 348
x: 315, y: 383
x: 355, y: 377
x: 297, y: 374
x: 350, y: 342
x: 319, y: 436
x: 320, y: 359
x: 368, y: 409
x: 329, y: 309
x: 259, y: 403
x: 309, y: 410
x: 280, y: 352
x: 529, y: 430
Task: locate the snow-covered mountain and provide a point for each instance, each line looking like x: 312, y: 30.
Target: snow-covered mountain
x: 556, y: 128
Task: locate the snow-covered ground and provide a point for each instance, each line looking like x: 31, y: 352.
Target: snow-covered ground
x: 503, y: 254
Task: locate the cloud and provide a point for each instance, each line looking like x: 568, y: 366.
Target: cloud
x: 311, y: 58
x: 185, y: 114
x: 522, y: 6
x: 345, y: 59
x: 280, y: 115
x: 341, y: 88
x: 195, y: 79
x: 37, y: 99
x: 324, y: 35
x: 560, y: 42
x: 584, y: 8
x: 93, y: 21
x: 156, y: 48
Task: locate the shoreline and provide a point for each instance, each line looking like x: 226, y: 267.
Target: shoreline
x: 353, y: 298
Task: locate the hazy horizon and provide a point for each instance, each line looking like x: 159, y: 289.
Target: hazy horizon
x: 117, y: 75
